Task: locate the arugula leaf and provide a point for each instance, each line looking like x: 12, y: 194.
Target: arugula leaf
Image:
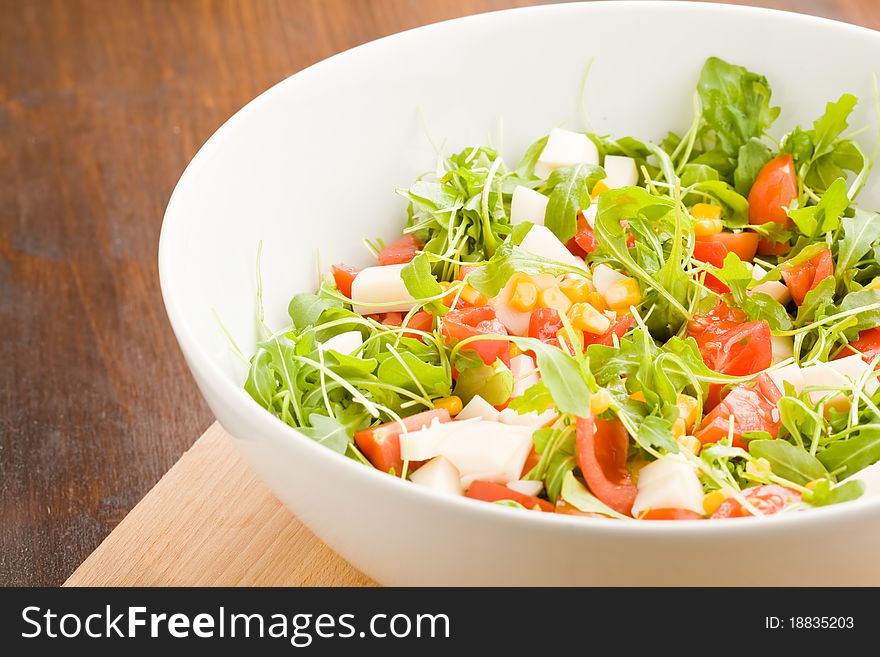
x: 305, y: 309
x: 261, y: 383
x: 415, y: 374
x: 817, y: 303
x: 561, y: 374
x: 757, y: 305
x: 736, y: 105
x: 576, y: 494
x: 824, y: 217
x: 494, y: 383
x: 862, y: 299
x: 421, y: 284
x: 526, y: 166
x: 789, y: 461
x: 859, y: 234
x: 657, y: 432
x: 491, y: 278
x: 327, y: 431
x: 752, y: 156
x: 828, y: 127
x: 825, y: 494
x: 569, y: 191
x: 536, y: 398
x: 852, y: 454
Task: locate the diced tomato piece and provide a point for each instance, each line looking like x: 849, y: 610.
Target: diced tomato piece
x: 744, y: 244
x: 671, y: 514
x: 712, y: 253
x: 585, y: 238
x: 806, y: 276
x: 400, y: 251
x: 730, y: 345
x: 602, y: 454
x: 477, y: 321
x: 768, y: 499
x: 868, y: 345
x: 773, y: 191
x: 619, y: 328
x: 381, y: 444
x: 751, y: 411
x: 488, y: 491
x: 544, y: 324
x: 343, y: 275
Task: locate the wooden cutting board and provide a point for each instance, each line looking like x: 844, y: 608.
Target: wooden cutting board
x: 211, y: 522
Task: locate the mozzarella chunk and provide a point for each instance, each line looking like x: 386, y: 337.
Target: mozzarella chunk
x: 515, y: 321
x: 604, y: 277
x: 782, y: 347
x: 381, y: 284
x: 774, y: 289
x: 527, y: 205
x: 439, y: 475
x: 668, y: 483
x: 620, y: 171
x: 479, y: 449
x: 590, y: 214
x: 531, y: 419
x: 565, y: 148
x: 540, y: 241
x: 526, y: 486
x: 525, y: 374
x: 478, y: 407
x: 854, y: 368
x: 344, y: 343
x: 791, y: 374
x: 758, y: 272
x: 870, y: 476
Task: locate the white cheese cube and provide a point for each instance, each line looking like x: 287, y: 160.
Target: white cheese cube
x: 590, y: 214
x: 526, y: 487
x: 774, y: 289
x: 380, y: 284
x: 565, y: 148
x: 344, y: 343
x: 791, y: 374
x: 604, y: 277
x: 531, y: 419
x: 620, y: 171
x: 439, y: 475
x: 478, y: 407
x: 528, y: 205
x: 525, y: 374
x: 540, y: 241
x: 668, y: 483
x: 782, y: 347
x: 488, y: 450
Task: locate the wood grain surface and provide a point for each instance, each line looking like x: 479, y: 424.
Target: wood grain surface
x: 102, y: 104
x: 211, y: 522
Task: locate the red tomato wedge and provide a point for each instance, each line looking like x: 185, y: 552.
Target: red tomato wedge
x: 476, y: 321
x: 400, y: 251
x: 731, y: 345
x: 491, y: 492
x: 602, y: 454
x: 712, y: 253
x: 343, y: 276
x: 773, y: 191
x: 544, y: 324
x: 671, y: 514
x: 868, y: 345
x: 381, y: 445
x: 619, y: 328
x: 751, y: 410
x: 744, y: 244
x: 585, y: 238
x: 768, y: 499
x: 806, y: 276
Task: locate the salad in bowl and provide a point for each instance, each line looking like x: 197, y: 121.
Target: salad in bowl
x: 610, y: 327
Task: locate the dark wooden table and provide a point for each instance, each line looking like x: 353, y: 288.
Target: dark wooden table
x: 102, y: 104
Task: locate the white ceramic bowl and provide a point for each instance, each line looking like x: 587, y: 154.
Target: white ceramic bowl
x: 310, y: 167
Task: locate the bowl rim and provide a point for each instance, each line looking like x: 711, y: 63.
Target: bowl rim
x: 251, y: 413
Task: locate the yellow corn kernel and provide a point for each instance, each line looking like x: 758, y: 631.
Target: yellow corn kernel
x: 707, y: 227
x: 690, y: 443
x: 758, y: 468
x: 687, y: 410
x: 812, y: 485
x: 623, y: 294
x: 706, y: 211
x: 515, y: 351
x: 712, y: 500
x: 598, y: 188
x: 638, y: 396
x: 524, y: 296
x: 451, y: 404
x: 565, y: 340
x: 553, y: 297
x: 679, y: 429
x: 586, y: 318
x: 449, y: 298
x: 600, y: 401
x: 874, y: 285
x: 471, y: 296
x: 576, y: 289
